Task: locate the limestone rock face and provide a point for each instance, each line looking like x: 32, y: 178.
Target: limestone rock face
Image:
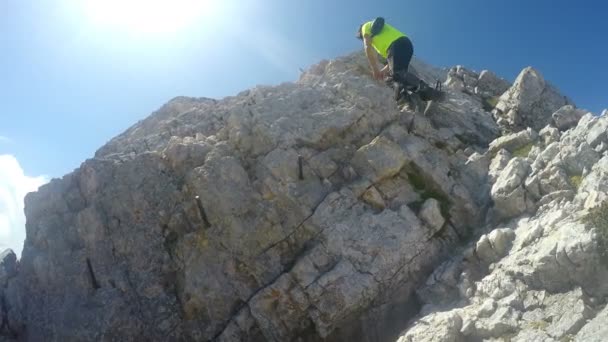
x: 509, y: 194
x: 530, y: 102
x: 567, y: 117
x: 289, y: 212
x: 539, y: 272
x: 513, y: 142
x: 491, y: 84
x: 320, y: 211
x: 431, y: 214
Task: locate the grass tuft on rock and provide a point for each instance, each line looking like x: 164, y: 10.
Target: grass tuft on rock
x: 523, y: 151
x: 425, y: 191
x: 598, y: 218
x: 576, y: 181
x: 538, y: 325
x: 490, y: 103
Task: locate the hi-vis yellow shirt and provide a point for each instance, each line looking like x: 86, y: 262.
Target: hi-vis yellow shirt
x: 384, y: 39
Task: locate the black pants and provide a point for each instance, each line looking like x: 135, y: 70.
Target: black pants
x: 399, y: 57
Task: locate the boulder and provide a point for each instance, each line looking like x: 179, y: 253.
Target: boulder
x: 596, y: 330
x: 567, y: 117
x: 597, y: 133
x: 491, y: 84
x: 530, y: 102
x: 379, y: 159
x: 549, y: 135
x: 513, y: 142
x: 509, y: 195
x: 431, y: 214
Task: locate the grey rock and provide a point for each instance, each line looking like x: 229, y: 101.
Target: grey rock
x: 431, y: 214
x: 499, y: 162
x: 551, y: 197
x: 546, y: 156
x: 373, y: 197
x: 513, y: 141
x: 596, y: 330
x: 567, y: 117
x: 592, y: 191
x: 533, y: 334
x: 441, y: 287
x: 479, y: 166
x: 380, y: 159
x: 296, y: 212
x: 460, y: 79
x: 490, y: 83
x: 597, y: 133
x: 530, y: 102
x: 440, y: 327
x: 568, y: 313
x: 493, y: 246
x: 397, y: 191
x: 463, y: 118
x: 576, y: 159
x: 549, y: 135
x: 504, y: 321
x: 8, y: 266
x: 509, y: 195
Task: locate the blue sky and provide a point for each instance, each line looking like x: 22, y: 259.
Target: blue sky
x: 70, y: 80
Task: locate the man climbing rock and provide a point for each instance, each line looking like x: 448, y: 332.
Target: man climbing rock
x: 391, y: 44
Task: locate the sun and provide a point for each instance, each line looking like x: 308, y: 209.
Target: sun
x: 148, y: 16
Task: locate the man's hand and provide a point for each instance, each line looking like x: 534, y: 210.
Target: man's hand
x: 378, y: 75
x: 385, y: 71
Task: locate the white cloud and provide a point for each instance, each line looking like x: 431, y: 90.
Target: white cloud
x: 14, y: 185
x: 4, y: 139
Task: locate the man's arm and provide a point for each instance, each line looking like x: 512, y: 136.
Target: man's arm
x: 371, y: 56
x: 385, y: 71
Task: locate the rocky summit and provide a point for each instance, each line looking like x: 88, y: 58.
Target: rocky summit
x: 321, y: 211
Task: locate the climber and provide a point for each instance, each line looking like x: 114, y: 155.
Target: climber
x: 391, y: 44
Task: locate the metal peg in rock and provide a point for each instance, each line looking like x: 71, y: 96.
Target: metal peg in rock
x: 201, y: 210
x: 300, y: 166
x: 94, y: 282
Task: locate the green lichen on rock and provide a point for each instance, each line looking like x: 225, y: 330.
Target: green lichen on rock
x: 523, y: 151
x: 425, y: 191
x: 490, y: 103
x: 598, y: 218
x: 576, y: 181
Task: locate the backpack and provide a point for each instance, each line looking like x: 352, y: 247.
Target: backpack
x: 377, y: 26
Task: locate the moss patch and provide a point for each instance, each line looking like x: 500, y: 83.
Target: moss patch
x: 426, y: 191
x: 598, y: 219
x: 416, y: 206
x: 416, y: 181
x: 490, y: 103
x: 440, y: 145
x: 523, y: 151
x: 538, y: 325
x: 576, y: 181
x: 567, y: 338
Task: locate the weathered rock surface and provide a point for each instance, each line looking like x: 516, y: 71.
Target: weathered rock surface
x: 513, y: 142
x: 541, y: 275
x: 567, y: 117
x: 530, y: 102
x: 489, y: 83
x: 318, y: 211
x: 8, y: 317
x: 509, y: 194
x: 290, y: 212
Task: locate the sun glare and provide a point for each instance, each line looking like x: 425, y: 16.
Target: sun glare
x: 148, y: 16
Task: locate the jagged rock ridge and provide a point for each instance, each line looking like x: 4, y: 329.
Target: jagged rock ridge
x: 307, y: 211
